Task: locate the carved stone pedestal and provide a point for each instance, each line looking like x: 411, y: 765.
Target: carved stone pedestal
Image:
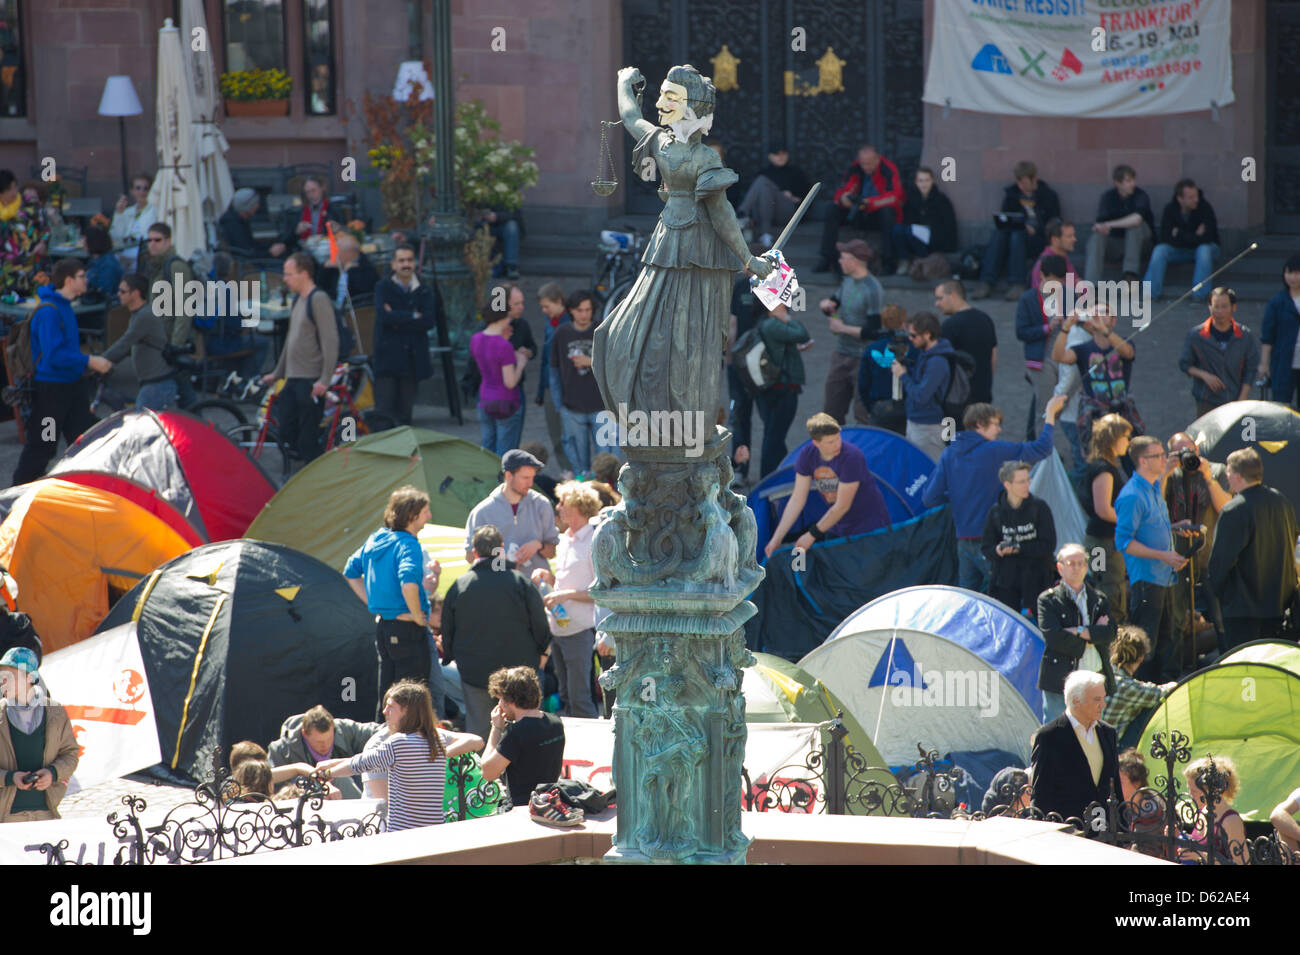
x: 674, y: 562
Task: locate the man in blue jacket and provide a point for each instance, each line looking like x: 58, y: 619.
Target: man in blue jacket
x: 60, y: 401
x: 387, y: 572
x: 1278, y: 356
x: 925, y: 382
x: 967, y: 479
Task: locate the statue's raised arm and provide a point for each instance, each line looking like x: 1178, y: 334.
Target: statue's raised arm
x: 629, y: 108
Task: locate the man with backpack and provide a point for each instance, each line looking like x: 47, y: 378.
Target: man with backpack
x: 311, y: 350
x: 162, y: 264
x: 46, y: 350
x: 926, y: 377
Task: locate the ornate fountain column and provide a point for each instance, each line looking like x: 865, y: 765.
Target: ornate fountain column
x: 674, y: 561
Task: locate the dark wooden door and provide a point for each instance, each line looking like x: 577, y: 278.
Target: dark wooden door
x: 823, y: 77
x: 1283, y: 165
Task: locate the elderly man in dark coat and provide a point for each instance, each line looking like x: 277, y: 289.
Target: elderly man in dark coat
x: 1074, y: 761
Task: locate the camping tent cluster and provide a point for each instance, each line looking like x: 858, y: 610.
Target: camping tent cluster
x: 145, y: 521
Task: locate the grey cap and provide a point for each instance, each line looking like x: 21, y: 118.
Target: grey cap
x: 244, y: 200
x: 514, y: 460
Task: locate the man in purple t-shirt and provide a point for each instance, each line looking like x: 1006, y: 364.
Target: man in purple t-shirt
x: 838, y: 472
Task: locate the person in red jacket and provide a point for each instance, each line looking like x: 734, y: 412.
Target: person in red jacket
x: 870, y: 196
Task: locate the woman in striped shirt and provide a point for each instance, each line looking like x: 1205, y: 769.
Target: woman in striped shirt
x: 414, y: 757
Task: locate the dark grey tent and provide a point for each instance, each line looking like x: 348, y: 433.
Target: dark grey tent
x: 239, y: 634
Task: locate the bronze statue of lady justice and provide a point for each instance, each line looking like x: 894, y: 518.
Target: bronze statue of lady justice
x: 661, y: 348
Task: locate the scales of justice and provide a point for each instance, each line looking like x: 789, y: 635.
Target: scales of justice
x: 676, y: 558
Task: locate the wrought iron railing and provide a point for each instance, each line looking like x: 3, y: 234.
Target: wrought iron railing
x: 1159, y: 820
x: 221, y: 822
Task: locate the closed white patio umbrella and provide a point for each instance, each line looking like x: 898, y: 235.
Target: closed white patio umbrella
x: 175, y: 192
x: 210, y: 146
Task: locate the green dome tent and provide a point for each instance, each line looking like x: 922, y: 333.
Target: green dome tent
x: 1280, y: 653
x: 778, y: 691
x: 1246, y: 710
x: 331, y: 506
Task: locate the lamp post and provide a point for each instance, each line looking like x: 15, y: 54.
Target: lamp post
x: 119, y: 100
x: 449, y: 233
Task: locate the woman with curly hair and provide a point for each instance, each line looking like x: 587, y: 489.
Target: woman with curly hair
x: 1133, y: 701
x: 1229, y: 840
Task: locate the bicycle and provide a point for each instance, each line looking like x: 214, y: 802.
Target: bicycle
x: 342, y: 421
x: 617, y: 266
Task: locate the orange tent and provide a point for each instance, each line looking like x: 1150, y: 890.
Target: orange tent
x: 74, y: 550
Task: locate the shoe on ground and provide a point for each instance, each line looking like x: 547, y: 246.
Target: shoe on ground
x: 1014, y: 292
x: 980, y: 290
x: 550, y: 810
x: 903, y: 267
x: 233, y: 384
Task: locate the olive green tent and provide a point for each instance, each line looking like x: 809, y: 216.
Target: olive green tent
x: 1247, y: 710
x: 778, y: 691
x: 331, y: 506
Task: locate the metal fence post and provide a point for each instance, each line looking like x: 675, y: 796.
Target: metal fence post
x: 835, y: 785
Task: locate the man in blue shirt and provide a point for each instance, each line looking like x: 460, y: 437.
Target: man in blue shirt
x: 387, y: 572
x: 59, y: 395
x: 1144, y: 536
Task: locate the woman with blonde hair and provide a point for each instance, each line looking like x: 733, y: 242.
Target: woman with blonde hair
x: 414, y: 756
x: 1102, y: 481
x: 1229, y: 840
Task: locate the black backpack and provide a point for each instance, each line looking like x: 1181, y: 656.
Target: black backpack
x: 957, y: 397
x: 347, y: 340
x: 753, y: 362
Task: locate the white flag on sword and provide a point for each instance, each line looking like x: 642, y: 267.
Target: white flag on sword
x: 101, y: 683
x: 779, y: 286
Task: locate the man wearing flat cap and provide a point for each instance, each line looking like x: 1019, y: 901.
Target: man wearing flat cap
x: 38, y: 751
x: 237, y: 230
x: 524, y: 517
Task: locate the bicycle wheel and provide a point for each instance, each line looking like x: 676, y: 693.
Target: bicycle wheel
x: 219, y: 413
x: 616, y: 297
x: 270, y: 453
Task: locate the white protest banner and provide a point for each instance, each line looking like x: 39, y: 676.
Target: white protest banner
x: 589, y: 749
x: 1081, y: 58
x: 101, y: 683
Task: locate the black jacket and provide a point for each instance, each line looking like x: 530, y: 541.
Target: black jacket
x: 1047, y: 205
x: 362, y: 279
x: 493, y: 619
x: 935, y: 211
x: 1180, y: 232
x: 1252, y: 569
x: 238, y: 235
x: 1057, y: 611
x: 1031, y: 527
x: 1059, y: 769
x: 401, y: 348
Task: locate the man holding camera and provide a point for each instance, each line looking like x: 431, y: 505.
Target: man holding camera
x: 1252, y: 568
x: 1195, y: 492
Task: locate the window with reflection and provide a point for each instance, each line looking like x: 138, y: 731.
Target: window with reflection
x: 254, y: 35
x: 13, y: 99
x: 318, y: 56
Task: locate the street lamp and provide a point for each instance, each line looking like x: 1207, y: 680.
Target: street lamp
x: 119, y: 100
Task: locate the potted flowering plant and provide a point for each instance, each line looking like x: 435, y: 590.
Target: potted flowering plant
x: 256, y: 93
x: 490, y: 172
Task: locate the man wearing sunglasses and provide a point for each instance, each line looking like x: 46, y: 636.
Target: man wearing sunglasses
x: 1144, y: 536
x: 133, y: 215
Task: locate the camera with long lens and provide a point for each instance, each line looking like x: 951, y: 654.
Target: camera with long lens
x: 1189, y: 461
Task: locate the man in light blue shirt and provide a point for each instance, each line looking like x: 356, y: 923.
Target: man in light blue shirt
x: 1145, y: 538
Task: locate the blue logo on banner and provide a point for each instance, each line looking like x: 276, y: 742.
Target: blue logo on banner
x: 990, y: 60
x: 897, y: 671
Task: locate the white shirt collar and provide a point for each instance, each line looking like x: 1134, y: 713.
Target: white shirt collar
x: 1091, y: 735
x: 415, y: 282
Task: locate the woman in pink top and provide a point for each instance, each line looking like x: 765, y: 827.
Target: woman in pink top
x: 500, y: 399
